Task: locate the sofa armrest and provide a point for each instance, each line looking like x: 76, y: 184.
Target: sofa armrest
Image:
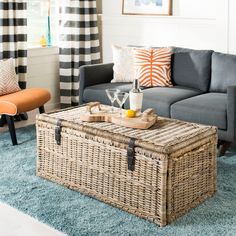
x: 94, y: 74
x: 231, y: 111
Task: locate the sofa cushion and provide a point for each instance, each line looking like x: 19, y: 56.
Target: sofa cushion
x: 209, y: 109
x: 223, y: 72
x: 97, y: 92
x: 191, y: 68
x: 161, y: 98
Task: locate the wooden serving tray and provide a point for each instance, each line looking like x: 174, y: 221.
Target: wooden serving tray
x: 144, y: 121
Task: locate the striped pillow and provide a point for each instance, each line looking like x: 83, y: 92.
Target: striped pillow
x: 153, y: 66
x: 8, y: 77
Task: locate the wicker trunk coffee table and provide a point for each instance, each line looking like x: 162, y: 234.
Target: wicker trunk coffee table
x: 158, y: 174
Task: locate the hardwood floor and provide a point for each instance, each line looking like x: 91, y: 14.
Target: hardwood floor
x: 15, y: 223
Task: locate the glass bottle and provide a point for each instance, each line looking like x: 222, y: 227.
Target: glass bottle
x: 136, y: 97
x: 43, y: 41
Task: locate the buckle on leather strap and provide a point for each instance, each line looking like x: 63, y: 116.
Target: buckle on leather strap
x: 131, y: 154
x: 58, y: 132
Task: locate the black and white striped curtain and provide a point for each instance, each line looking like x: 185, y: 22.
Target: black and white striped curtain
x: 13, y: 35
x: 79, y: 45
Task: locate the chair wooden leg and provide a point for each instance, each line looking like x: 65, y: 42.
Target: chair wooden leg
x: 24, y: 116
x: 17, y: 118
x: 41, y: 109
x: 11, y: 126
x: 3, y: 120
x: 21, y: 116
x: 224, y: 147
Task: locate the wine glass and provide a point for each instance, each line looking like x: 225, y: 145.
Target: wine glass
x: 121, y: 98
x: 111, y: 93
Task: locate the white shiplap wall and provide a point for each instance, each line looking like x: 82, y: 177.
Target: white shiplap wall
x: 43, y: 72
x: 232, y: 27
x: 202, y: 24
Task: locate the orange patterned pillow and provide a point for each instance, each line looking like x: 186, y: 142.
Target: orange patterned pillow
x: 153, y: 66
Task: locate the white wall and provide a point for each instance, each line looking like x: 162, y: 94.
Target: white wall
x: 232, y: 26
x: 43, y: 72
x: 202, y: 24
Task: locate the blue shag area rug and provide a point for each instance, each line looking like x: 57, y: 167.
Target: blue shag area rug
x: 75, y: 214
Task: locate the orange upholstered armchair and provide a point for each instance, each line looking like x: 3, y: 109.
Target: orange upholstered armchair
x: 19, y: 102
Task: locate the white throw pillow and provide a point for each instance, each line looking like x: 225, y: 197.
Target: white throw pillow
x: 123, y: 58
x: 8, y: 78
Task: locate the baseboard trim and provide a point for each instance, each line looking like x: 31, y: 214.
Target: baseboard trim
x: 52, y: 106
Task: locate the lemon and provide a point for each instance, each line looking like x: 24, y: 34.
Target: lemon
x: 130, y: 113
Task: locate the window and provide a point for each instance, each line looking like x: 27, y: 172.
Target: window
x: 37, y: 14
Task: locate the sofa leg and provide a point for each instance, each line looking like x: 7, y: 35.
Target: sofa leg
x: 224, y: 146
x: 41, y: 109
x: 219, y: 143
x: 11, y: 127
x: 3, y: 120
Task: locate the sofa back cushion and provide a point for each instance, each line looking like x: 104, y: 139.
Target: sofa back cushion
x: 191, y: 68
x: 223, y: 72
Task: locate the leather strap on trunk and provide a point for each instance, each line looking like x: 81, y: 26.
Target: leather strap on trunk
x: 131, y: 154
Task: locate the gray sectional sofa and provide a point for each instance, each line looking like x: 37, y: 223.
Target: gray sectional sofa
x: 204, y: 89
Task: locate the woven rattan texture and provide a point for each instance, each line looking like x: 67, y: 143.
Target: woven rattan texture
x: 175, y: 163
